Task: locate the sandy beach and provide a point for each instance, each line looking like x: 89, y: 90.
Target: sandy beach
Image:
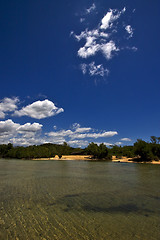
x: 129, y: 160
x: 89, y: 158
x: 68, y: 157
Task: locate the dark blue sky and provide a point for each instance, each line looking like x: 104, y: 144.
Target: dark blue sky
x: 39, y: 60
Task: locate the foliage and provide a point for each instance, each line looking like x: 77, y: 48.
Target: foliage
x: 99, y: 152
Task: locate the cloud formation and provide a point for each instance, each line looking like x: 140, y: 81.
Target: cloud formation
x: 110, y: 17
x: 91, y: 9
x: 81, y: 133
x: 13, y: 132
x: 126, y: 139
x: 39, y: 110
x: 102, y: 39
x: 129, y: 30
x: 8, y: 105
x: 94, y: 70
x: 31, y: 134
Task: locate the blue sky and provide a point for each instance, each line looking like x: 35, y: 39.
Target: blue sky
x: 79, y: 71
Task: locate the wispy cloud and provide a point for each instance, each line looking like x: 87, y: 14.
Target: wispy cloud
x: 126, y: 139
x: 94, y: 70
x: 91, y: 9
x: 82, y: 133
x: 39, y: 110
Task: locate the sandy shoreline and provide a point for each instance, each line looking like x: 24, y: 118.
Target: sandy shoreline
x: 67, y: 157
x: 129, y: 160
x: 89, y: 158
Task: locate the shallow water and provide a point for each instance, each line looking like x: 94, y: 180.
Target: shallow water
x: 79, y: 200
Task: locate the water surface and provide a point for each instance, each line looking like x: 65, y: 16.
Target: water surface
x: 79, y: 200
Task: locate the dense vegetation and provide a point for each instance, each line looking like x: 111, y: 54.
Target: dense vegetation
x: 140, y: 151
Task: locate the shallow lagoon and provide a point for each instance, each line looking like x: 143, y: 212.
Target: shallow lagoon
x: 79, y: 200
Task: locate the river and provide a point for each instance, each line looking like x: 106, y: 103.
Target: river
x: 67, y: 200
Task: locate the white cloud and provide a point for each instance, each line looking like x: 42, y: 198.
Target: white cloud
x: 102, y: 39
x: 91, y: 9
x: 83, y: 67
x: 19, y: 134
x: 85, y: 129
x: 118, y: 143
x: 8, y: 105
x: 126, y: 139
x: 129, y: 29
x: 28, y: 127
x: 78, y: 143
x: 110, y: 17
x: 89, y: 49
x: 62, y: 133
x: 94, y: 70
x: 31, y: 134
x: 94, y: 135
x: 108, y: 48
x: 39, y: 110
x: 8, y: 127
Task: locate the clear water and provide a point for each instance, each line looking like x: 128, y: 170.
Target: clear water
x: 79, y: 200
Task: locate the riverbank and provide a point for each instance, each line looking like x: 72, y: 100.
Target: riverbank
x: 89, y: 158
x: 67, y: 157
x: 130, y: 160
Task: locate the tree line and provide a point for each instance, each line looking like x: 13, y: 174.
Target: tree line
x: 140, y: 151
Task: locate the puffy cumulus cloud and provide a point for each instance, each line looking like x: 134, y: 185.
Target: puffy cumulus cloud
x: 18, y: 134
x: 28, y: 127
x: 8, y: 105
x: 126, y: 139
x: 129, y: 30
x: 39, y: 110
x: 8, y: 127
x: 110, y: 17
x: 31, y: 134
x: 108, y: 48
x: 103, y: 39
x: 94, y: 70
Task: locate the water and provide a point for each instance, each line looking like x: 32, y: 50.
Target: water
x: 79, y: 200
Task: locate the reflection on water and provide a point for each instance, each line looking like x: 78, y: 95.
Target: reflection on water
x: 79, y: 200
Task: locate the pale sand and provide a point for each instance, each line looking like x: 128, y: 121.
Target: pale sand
x: 68, y: 157
x: 129, y: 160
x: 89, y: 158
